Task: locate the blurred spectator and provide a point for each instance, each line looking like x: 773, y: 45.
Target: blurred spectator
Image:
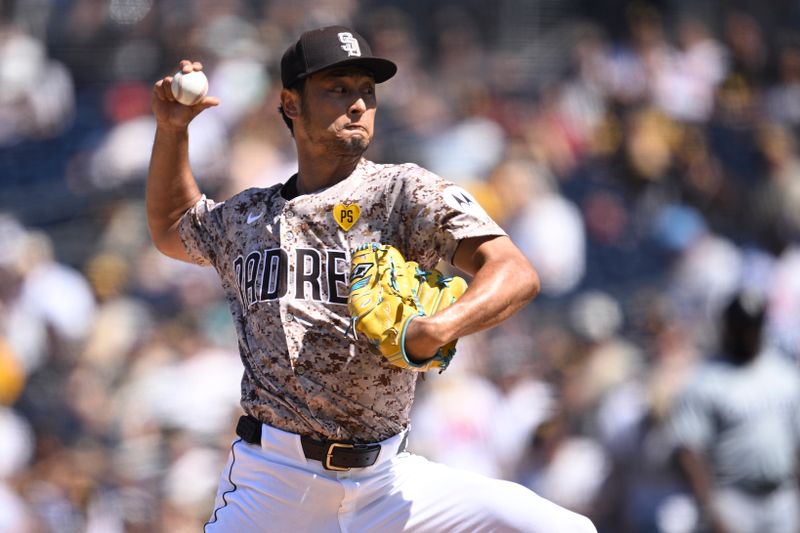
x: 777, y: 202
x: 547, y: 227
x: 22, y: 329
x: 737, y: 429
x: 69, y: 316
x: 784, y: 302
x: 684, y: 85
x: 565, y: 468
x: 15, y: 455
x: 783, y: 99
x: 461, y: 411
x: 36, y: 92
x: 643, y: 492
x: 749, y: 52
x: 607, y: 360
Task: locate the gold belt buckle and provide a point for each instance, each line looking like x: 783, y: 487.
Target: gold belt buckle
x: 329, y: 454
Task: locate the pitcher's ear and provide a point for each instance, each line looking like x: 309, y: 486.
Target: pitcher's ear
x: 290, y: 101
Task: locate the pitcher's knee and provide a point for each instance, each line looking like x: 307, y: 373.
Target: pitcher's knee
x: 517, y: 508
x: 546, y: 516
x: 583, y: 525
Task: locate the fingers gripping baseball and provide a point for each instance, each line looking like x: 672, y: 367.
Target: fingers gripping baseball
x: 188, y: 85
x: 387, y: 293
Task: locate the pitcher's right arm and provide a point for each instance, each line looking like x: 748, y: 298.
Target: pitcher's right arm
x: 171, y: 187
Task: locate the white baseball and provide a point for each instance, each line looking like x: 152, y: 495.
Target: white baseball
x: 190, y: 88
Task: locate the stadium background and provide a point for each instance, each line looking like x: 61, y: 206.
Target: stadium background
x: 643, y: 155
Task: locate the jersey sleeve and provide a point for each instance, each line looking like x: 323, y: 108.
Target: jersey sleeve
x: 691, y: 421
x: 435, y: 214
x: 200, y: 229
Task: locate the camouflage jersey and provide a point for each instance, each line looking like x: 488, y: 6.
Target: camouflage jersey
x: 284, y: 266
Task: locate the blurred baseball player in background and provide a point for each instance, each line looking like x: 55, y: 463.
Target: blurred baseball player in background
x: 322, y: 447
x: 737, y: 427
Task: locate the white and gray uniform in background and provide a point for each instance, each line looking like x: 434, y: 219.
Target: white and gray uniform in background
x: 746, y: 421
x: 284, y: 266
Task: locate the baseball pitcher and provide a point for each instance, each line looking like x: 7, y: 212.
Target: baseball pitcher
x: 337, y: 307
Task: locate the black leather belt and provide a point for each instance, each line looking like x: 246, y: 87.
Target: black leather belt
x: 761, y: 487
x: 338, y: 456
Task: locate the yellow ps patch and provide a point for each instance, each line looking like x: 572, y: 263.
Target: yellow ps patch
x: 346, y: 215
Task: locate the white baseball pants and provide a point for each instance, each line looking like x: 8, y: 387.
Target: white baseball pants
x: 274, y: 488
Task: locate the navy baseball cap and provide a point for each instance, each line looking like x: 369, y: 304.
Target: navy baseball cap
x: 332, y: 46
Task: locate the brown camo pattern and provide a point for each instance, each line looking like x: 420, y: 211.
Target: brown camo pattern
x: 301, y: 374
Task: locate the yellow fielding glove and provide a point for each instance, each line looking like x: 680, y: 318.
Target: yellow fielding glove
x: 387, y: 293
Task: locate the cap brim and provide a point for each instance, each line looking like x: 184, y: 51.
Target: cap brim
x: 382, y: 69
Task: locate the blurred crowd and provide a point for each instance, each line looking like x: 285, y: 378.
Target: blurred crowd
x: 644, y: 156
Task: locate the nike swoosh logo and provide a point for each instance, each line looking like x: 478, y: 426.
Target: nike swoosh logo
x: 251, y: 218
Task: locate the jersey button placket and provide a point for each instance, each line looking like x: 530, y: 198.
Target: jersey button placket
x: 287, y: 235
x: 286, y: 224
